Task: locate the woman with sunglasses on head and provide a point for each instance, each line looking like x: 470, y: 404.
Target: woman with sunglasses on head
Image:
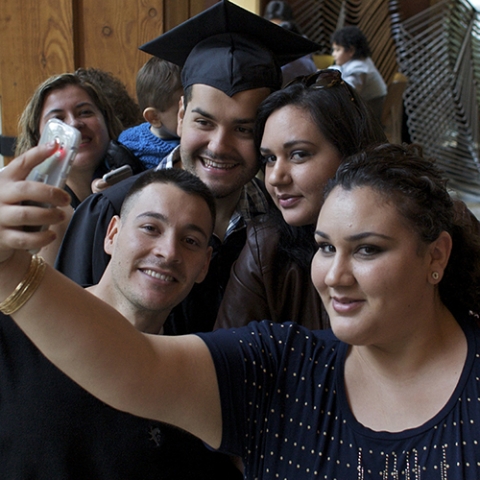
x: 392, y: 391
x: 304, y: 132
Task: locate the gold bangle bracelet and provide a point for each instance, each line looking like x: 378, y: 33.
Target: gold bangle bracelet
x: 26, y: 288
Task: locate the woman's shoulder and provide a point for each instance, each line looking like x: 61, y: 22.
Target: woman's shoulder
x: 263, y: 236
x: 280, y: 339
x: 272, y: 241
x: 263, y: 228
x: 272, y: 336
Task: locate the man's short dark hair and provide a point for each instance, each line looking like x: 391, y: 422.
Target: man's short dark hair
x: 182, y: 179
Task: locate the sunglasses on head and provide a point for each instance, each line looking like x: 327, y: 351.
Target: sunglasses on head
x: 322, y: 79
x: 326, y: 78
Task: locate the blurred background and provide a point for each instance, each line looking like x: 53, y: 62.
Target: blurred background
x: 428, y: 52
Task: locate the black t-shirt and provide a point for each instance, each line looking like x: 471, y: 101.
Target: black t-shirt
x: 52, y: 429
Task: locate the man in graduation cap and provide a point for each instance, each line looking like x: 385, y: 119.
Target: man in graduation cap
x: 230, y: 62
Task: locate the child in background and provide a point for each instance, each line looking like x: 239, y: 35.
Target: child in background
x: 352, y: 55
x: 159, y: 90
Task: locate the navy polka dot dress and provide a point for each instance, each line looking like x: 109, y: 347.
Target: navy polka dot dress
x: 286, y: 413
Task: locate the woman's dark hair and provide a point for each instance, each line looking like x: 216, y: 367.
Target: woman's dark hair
x: 278, y: 10
x: 352, y: 37
x: 417, y: 189
x: 29, y: 123
x: 343, y: 119
x: 124, y: 106
x: 338, y: 112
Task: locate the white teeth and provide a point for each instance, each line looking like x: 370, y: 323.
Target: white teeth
x: 222, y: 166
x: 159, y: 276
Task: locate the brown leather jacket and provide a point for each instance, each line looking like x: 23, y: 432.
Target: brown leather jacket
x: 262, y: 287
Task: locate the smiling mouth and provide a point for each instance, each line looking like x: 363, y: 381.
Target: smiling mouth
x: 345, y: 305
x: 220, y: 166
x: 159, y: 276
x: 286, y: 201
x: 346, y: 300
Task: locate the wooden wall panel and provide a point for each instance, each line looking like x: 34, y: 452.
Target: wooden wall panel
x: 109, y: 34
x: 40, y: 39
x: 176, y: 12
x: 197, y: 6
x: 36, y: 41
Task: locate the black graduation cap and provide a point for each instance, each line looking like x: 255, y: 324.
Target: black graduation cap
x: 230, y: 48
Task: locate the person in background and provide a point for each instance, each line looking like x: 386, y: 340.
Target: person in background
x: 304, y: 133
x: 124, y: 106
x: 281, y: 13
x: 77, y: 101
x: 300, y: 67
x: 352, y: 55
x: 392, y: 390
x: 52, y: 429
x: 159, y: 89
x: 278, y: 11
x: 222, y: 92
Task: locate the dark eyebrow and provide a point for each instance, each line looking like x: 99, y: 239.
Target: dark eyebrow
x: 59, y: 110
x: 290, y: 144
x: 238, y: 121
x: 355, y: 238
x: 189, y: 226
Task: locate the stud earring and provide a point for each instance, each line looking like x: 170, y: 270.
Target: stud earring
x: 435, y: 275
